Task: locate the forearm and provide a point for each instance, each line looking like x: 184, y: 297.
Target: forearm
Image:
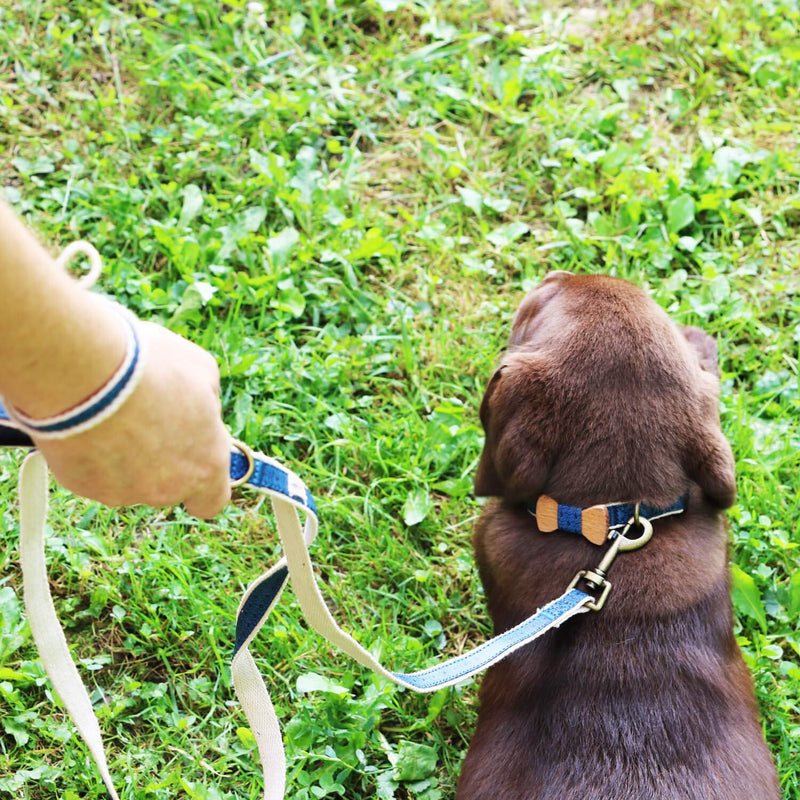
x: 164, y: 443
x: 58, y: 342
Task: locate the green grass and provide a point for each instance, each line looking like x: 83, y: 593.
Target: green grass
x: 345, y: 201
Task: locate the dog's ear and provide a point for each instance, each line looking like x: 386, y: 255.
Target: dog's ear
x: 487, y: 481
x: 704, y: 347
x: 516, y: 422
x: 710, y: 464
x: 525, y: 318
x: 709, y: 459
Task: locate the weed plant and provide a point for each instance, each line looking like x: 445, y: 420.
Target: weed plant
x: 345, y: 201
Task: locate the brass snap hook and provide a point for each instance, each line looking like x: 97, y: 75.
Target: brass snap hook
x: 642, y: 523
x: 596, y: 578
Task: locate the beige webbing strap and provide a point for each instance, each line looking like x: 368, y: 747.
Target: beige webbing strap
x: 45, y: 627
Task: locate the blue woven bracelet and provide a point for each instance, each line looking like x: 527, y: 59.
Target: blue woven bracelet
x: 96, y: 408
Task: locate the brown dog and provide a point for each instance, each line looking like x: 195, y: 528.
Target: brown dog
x: 599, y: 399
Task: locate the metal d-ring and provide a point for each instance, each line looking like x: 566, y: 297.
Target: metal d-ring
x: 251, y: 463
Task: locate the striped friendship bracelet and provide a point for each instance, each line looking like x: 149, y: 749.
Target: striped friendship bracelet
x: 98, y: 406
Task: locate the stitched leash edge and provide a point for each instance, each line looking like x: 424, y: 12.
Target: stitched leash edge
x: 295, y: 540
x: 289, y: 496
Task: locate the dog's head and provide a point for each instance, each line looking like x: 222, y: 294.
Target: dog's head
x: 600, y: 397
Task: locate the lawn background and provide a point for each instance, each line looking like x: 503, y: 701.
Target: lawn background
x: 345, y: 202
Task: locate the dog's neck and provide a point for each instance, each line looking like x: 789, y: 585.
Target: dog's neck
x: 598, y: 522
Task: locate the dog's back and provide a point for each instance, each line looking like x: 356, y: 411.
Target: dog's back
x: 602, y: 399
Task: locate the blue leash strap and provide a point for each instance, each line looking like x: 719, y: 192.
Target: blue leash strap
x: 483, y: 656
x: 289, y: 497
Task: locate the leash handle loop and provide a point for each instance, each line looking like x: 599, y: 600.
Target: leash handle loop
x: 90, y: 251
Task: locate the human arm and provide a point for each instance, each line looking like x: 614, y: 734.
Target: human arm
x: 164, y: 445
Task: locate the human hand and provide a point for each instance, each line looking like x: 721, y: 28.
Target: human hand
x: 165, y: 445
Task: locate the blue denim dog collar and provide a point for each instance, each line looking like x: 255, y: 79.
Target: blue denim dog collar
x: 595, y: 523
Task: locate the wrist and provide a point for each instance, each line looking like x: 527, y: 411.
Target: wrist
x: 60, y: 342
x: 100, y: 404
x: 63, y: 352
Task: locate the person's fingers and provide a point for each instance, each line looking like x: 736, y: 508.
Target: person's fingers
x: 215, y: 493
x: 210, y: 502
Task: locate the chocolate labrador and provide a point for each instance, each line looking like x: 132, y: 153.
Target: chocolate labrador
x: 601, y: 399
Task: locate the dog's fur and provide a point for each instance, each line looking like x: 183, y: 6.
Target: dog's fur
x: 600, y: 398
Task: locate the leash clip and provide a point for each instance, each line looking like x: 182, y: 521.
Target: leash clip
x: 595, y: 578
